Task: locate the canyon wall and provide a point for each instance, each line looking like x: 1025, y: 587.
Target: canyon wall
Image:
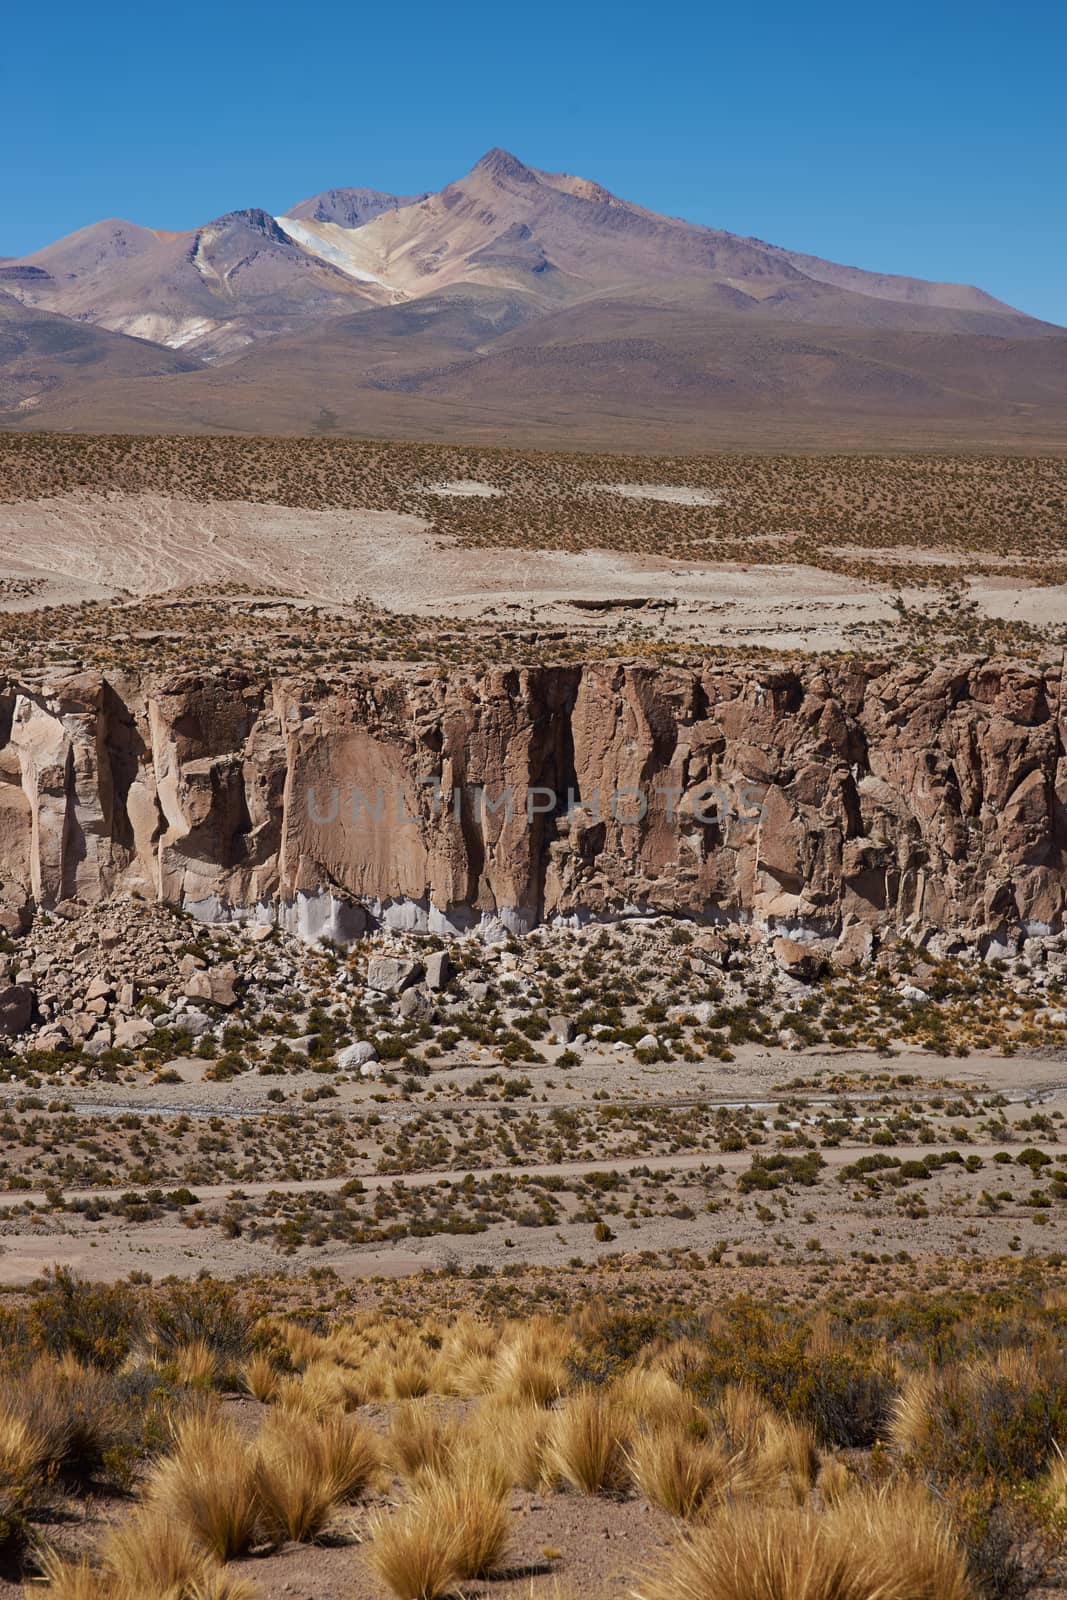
x: 833, y: 792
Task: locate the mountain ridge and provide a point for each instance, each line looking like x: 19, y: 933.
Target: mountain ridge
x: 540, y: 288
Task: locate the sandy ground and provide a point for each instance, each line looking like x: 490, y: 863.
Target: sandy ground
x: 465, y: 489
x: 842, y: 1221
x: 92, y: 547
x: 669, y: 494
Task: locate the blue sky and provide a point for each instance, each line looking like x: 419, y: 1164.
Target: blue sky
x: 929, y: 139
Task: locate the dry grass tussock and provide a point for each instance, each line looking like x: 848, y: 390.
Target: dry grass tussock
x: 206, y: 1486
x: 585, y: 1447
x: 147, y: 1555
x: 764, y: 1506
x: 407, y: 1554
x: 873, y: 1546
x: 684, y: 1476
x: 303, y: 1469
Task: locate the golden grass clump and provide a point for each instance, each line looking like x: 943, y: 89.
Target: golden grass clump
x: 513, y: 1438
x: 151, y: 1553
x: 902, y: 1543
x: 1053, y: 1486
x: 834, y: 1480
x: 196, y: 1364
x: 206, y: 1486
x: 784, y: 1457
x: 68, y: 1580
x: 324, y: 1387
x: 683, y: 1475
x: 741, y: 1413
x: 910, y: 1418
x: 145, y: 1556
x: 531, y: 1363
x: 585, y: 1444
x: 650, y: 1396
x: 466, y: 1363
x: 303, y: 1345
x: 407, y: 1553
x: 70, y: 1408
x: 874, y: 1546
x: 261, y: 1378
x: 305, y: 1468
x: 468, y: 1504
x: 420, y: 1438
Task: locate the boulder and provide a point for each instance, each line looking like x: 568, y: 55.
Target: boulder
x: 438, y: 970
x: 562, y: 1029
x: 416, y: 1005
x: 132, y: 1032
x: 803, y: 961
x: 304, y: 1044
x: 215, y: 985
x: 356, y: 1056
x: 391, y: 974
x: 16, y: 1009
x: 194, y: 1023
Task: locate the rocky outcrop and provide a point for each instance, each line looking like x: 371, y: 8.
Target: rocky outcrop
x: 828, y: 795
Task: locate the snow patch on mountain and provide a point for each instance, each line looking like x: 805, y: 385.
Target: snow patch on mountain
x: 335, y: 252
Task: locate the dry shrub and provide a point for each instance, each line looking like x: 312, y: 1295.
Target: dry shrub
x: 892, y: 1546
x: 468, y: 1504
x: 206, y: 1486
x: 1000, y: 1416
x: 407, y: 1553
x: 71, y: 1408
x: 303, y: 1469
x: 683, y: 1475
x: 420, y: 1439
x: 834, y: 1480
x: 651, y: 1397
x: 261, y: 1378
x: 196, y: 1364
x: 531, y: 1363
x: 512, y: 1438
x: 785, y: 1457
x: 585, y: 1444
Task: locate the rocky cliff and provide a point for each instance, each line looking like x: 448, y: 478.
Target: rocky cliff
x: 830, y: 793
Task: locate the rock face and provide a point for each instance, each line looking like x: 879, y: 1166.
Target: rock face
x: 810, y: 798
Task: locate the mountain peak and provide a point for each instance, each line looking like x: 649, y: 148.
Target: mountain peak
x: 503, y: 167
x: 251, y: 218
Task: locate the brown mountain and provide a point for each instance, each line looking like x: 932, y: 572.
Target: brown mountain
x: 350, y: 208
x: 41, y: 352
x: 519, y: 303
x: 213, y: 290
